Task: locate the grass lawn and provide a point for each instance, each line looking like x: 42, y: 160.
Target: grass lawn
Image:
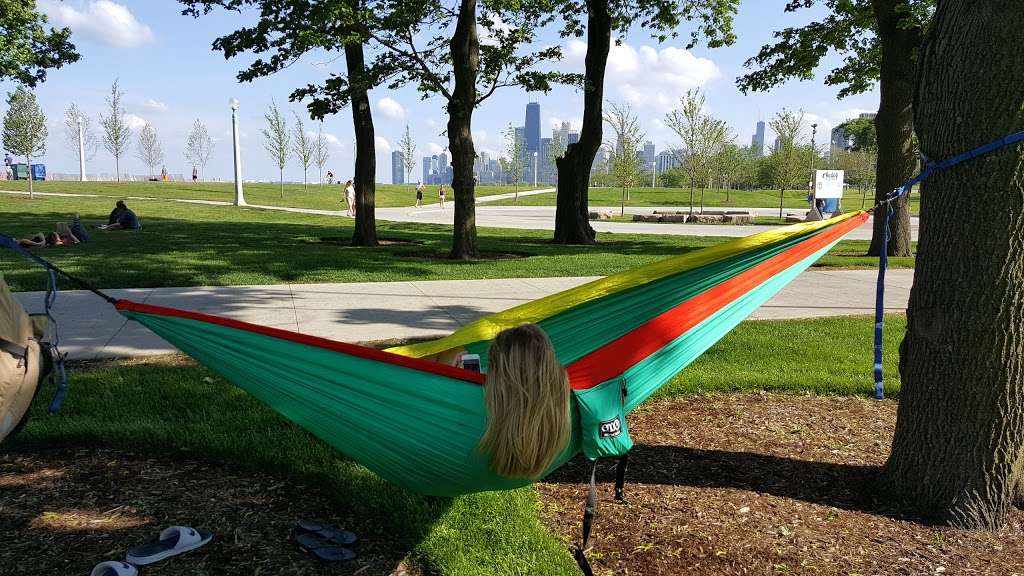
x: 712, y: 198
x: 169, y: 406
x: 313, y: 196
x: 196, y: 245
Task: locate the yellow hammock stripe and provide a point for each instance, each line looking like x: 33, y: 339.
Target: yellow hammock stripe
x: 532, y: 312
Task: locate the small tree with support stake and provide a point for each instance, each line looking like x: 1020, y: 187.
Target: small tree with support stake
x: 25, y: 129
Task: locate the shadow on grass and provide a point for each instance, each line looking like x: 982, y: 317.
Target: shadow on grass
x: 843, y: 486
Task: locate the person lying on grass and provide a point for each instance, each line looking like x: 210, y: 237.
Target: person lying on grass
x: 527, y: 397
x: 40, y: 240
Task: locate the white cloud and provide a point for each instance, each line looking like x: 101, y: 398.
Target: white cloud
x: 391, y: 108
x: 646, y: 75
x: 486, y: 37
x: 135, y: 122
x: 434, y: 148
x: 103, y: 21
x: 154, y: 105
x: 382, y: 144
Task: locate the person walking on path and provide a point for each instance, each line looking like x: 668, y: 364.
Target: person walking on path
x: 419, y: 194
x: 195, y: 174
x: 350, y: 198
x: 440, y: 195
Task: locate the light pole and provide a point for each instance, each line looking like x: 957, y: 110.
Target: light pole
x: 239, y: 196
x: 654, y: 174
x: 81, y: 151
x: 534, y: 169
x: 814, y: 197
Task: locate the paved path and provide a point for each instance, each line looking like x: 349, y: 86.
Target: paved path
x: 90, y: 328
x: 530, y: 217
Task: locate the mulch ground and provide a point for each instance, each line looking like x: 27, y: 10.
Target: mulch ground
x: 764, y: 484
x: 63, y: 512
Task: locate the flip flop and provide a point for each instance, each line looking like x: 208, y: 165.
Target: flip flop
x: 173, y: 541
x: 114, y: 568
x: 323, y: 549
x: 329, y: 532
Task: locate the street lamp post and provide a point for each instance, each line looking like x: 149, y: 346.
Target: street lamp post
x: 534, y: 169
x: 654, y: 174
x: 81, y: 151
x: 814, y: 197
x: 239, y: 196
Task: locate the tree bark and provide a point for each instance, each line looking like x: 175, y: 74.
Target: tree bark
x: 365, y: 233
x: 572, y: 210
x: 894, y: 124
x: 465, y: 51
x: 958, y: 450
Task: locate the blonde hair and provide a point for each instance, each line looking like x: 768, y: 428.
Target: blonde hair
x: 527, y: 398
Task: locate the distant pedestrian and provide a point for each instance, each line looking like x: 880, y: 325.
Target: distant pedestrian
x: 163, y: 174
x: 440, y: 195
x: 419, y: 194
x: 8, y: 167
x: 195, y: 174
x: 350, y: 198
x: 330, y: 177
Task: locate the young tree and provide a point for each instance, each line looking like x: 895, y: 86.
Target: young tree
x: 321, y: 152
x: 702, y: 138
x: 603, y: 17
x: 149, y: 149
x: 303, y: 147
x: 512, y: 157
x: 788, y: 164
x: 27, y: 49
x: 25, y: 129
x: 87, y: 145
x: 626, y: 164
x: 277, y: 140
x: 958, y: 448
x: 407, y: 147
x: 199, y: 146
x: 859, y: 169
x: 463, y: 55
x: 879, y: 40
x: 116, y: 132
x: 291, y: 28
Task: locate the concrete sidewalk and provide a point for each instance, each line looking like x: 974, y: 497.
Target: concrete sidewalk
x: 90, y: 328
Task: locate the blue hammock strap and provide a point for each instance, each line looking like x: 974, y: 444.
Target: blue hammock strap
x: 930, y: 168
x: 60, y: 375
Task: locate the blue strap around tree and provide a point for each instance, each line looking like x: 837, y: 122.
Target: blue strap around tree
x: 883, y: 258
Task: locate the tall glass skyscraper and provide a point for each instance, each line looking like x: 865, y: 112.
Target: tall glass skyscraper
x: 757, y: 142
x: 532, y: 127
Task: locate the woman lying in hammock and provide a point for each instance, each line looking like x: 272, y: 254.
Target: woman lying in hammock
x: 527, y: 397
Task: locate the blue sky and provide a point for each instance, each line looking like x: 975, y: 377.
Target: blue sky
x: 171, y: 77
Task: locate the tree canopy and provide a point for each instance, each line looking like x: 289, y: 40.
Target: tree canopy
x: 27, y: 48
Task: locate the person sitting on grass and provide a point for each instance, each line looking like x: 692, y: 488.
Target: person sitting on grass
x: 115, y: 214
x: 126, y: 220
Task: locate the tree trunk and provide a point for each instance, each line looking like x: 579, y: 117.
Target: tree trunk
x: 465, y: 51
x: 894, y: 123
x: 572, y: 211
x: 281, y: 181
x: 117, y: 169
x: 365, y: 232
x: 31, y: 190
x: 958, y: 451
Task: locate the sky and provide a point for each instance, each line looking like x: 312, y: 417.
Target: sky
x: 165, y: 64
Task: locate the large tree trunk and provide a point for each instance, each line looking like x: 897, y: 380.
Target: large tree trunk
x: 572, y: 211
x: 894, y: 125
x: 958, y: 450
x: 465, y: 51
x: 365, y: 233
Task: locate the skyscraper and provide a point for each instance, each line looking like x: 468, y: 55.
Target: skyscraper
x: 573, y: 137
x: 426, y: 170
x: 648, y: 154
x: 397, y: 167
x: 666, y: 161
x: 532, y: 128
x: 757, y: 142
x: 546, y: 166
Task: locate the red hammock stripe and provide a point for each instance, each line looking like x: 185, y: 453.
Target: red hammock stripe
x: 607, y: 362
x: 343, y: 347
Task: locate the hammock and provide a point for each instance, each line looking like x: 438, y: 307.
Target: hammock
x: 417, y: 423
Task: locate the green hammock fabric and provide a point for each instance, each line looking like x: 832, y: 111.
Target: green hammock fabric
x: 417, y: 423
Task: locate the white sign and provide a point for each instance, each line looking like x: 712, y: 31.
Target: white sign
x: 828, y: 183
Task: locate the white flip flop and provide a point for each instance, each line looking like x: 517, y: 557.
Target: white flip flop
x: 114, y: 568
x: 173, y: 541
